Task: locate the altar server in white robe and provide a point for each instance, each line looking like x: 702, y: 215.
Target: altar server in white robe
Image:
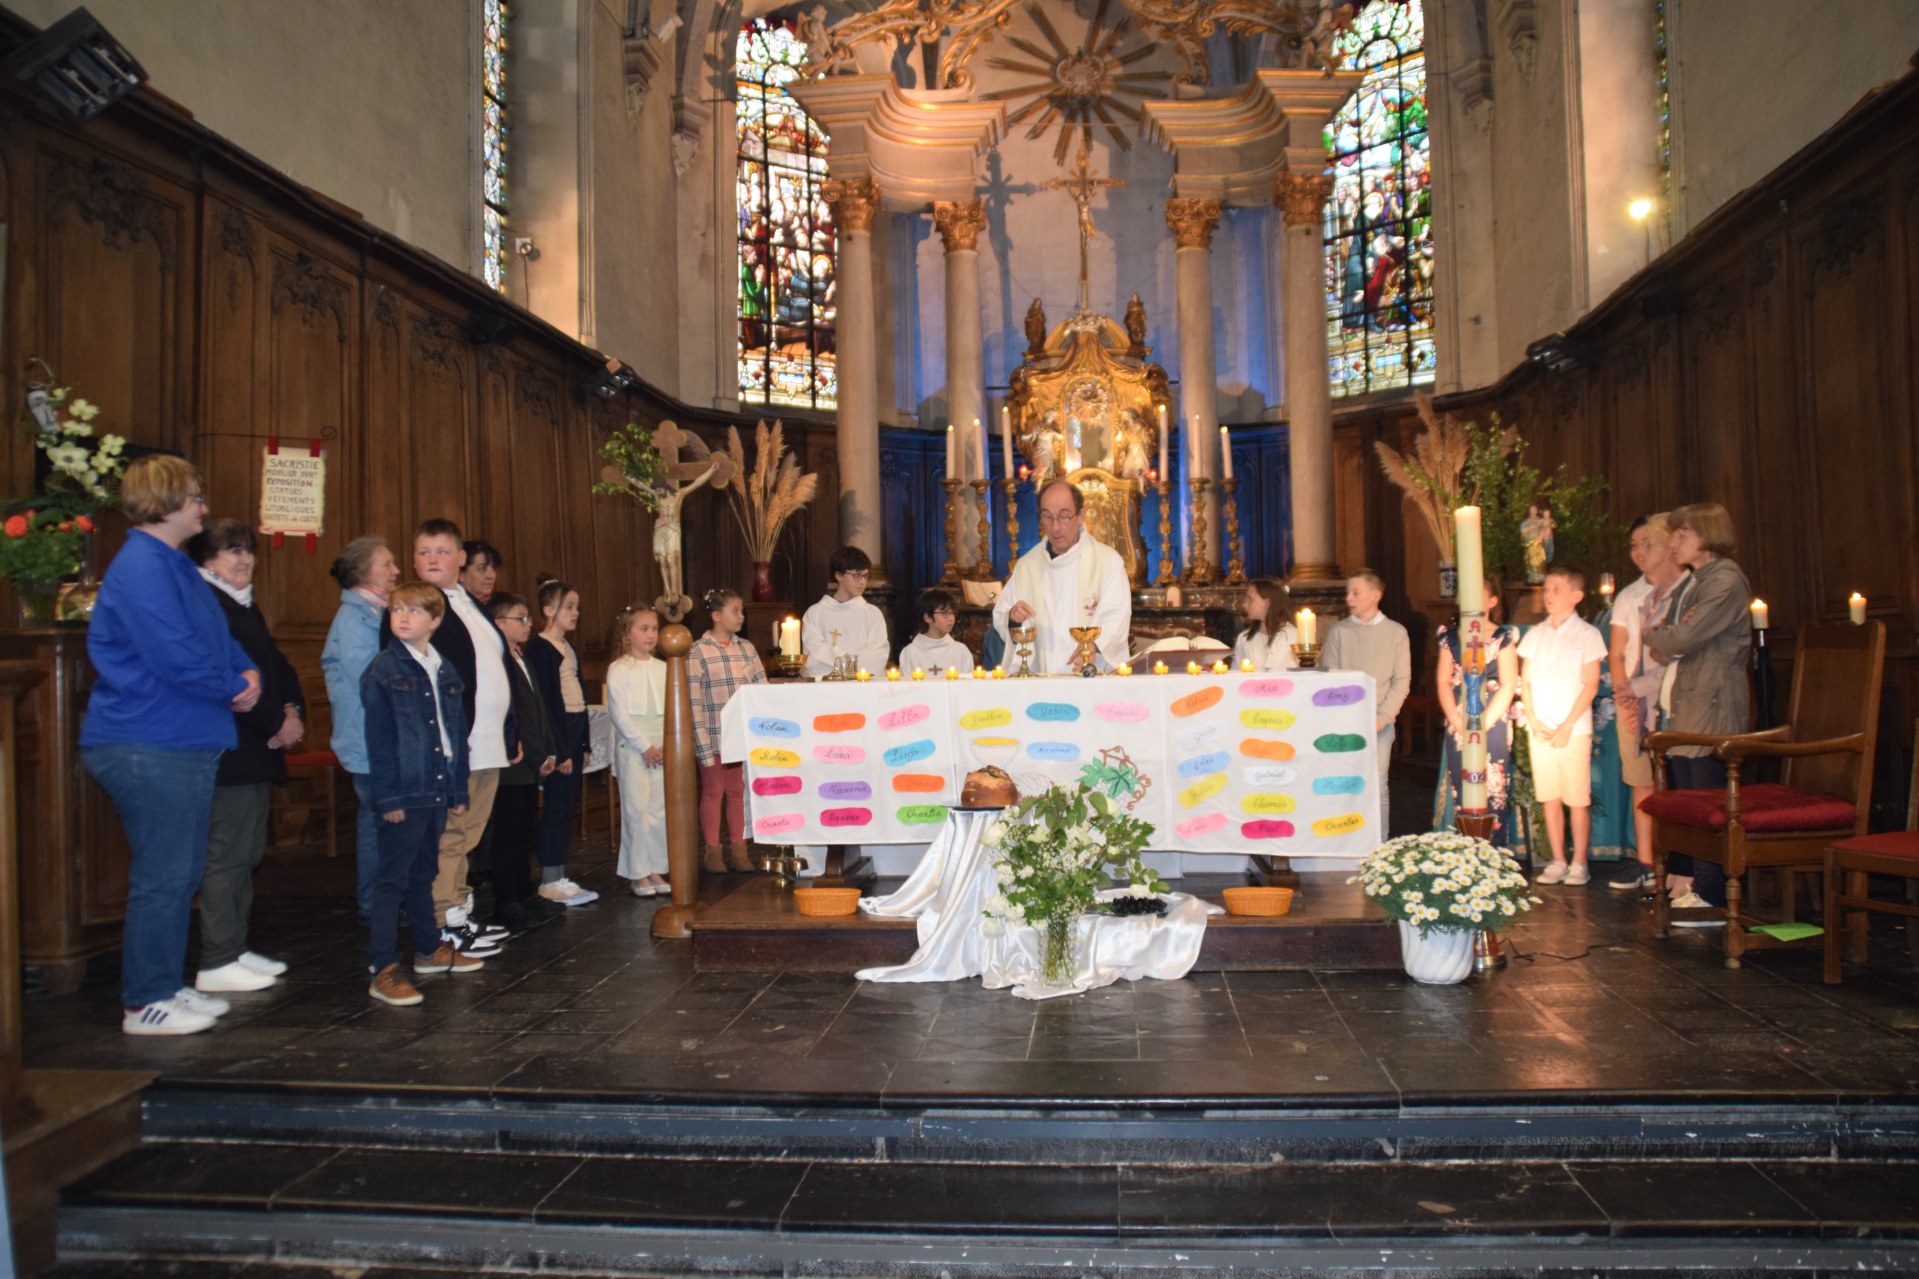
x: 934, y: 650
x: 842, y: 622
x: 1068, y: 580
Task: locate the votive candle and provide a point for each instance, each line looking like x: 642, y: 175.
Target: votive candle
x: 1856, y: 609
x: 1761, y: 615
x: 918, y: 674
x: 1307, y: 627
x: 892, y: 675
x: 1122, y: 669
x: 952, y: 672
x: 1159, y: 668
x: 1246, y: 665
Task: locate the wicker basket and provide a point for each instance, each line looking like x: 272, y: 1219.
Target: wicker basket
x: 1258, y: 901
x: 827, y: 901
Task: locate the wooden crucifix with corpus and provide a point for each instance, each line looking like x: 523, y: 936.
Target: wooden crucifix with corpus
x: 1083, y: 186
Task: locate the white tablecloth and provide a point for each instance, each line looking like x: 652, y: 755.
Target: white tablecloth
x: 946, y: 895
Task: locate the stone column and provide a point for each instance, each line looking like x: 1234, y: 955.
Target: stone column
x: 1309, y: 403
x: 1193, y: 222
x: 959, y: 224
x: 855, y: 201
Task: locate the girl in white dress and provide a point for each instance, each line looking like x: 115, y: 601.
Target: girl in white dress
x: 1267, y: 641
x: 636, y: 702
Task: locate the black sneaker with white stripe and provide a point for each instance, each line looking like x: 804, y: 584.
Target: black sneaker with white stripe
x: 469, y: 940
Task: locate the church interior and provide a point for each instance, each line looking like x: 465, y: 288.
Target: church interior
x: 1303, y: 322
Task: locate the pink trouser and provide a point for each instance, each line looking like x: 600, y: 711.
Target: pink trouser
x: 722, y: 784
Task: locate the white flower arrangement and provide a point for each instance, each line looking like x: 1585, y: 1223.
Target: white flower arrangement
x: 1445, y: 881
x: 1054, y: 852
x: 86, y: 473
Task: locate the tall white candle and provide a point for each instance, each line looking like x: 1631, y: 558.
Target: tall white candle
x: 952, y: 455
x: 1194, y: 466
x: 1469, y: 556
x: 1225, y: 454
x: 980, y: 431
x: 1006, y: 438
x: 1164, y: 434
x: 790, y: 637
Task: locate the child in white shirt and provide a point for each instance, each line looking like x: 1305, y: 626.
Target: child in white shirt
x: 935, y: 650
x: 1559, y: 677
x: 842, y: 623
x: 636, y: 703
x: 1267, y: 642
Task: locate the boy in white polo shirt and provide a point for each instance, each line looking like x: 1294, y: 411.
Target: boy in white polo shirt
x: 1559, y: 676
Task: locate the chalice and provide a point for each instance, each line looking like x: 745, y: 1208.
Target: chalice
x: 1023, y: 649
x: 1086, y: 656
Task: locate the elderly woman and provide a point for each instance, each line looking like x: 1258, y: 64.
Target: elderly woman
x: 366, y: 571
x: 169, y: 678
x: 243, y: 788
x: 1636, y: 676
x: 481, y: 572
x: 1708, y: 633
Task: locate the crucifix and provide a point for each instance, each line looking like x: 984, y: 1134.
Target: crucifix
x: 1083, y: 186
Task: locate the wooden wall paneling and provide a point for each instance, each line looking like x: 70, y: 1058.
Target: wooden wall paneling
x: 1352, y: 458
x: 234, y: 364
x: 495, y: 513
x: 383, y: 478
x: 1635, y: 430
x: 437, y: 408
x: 1906, y: 290
x: 540, y: 506
x: 1855, y: 447
x: 1772, y: 503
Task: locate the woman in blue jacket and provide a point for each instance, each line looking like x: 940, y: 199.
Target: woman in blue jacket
x: 168, y: 678
x: 366, y: 572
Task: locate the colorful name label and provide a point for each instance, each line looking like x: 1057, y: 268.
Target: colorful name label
x: 1194, y: 827
x: 786, y: 785
x: 840, y: 754
x: 1121, y: 712
x: 1269, y: 775
x: 1265, y: 687
x: 990, y: 717
x: 845, y: 790
x: 1057, y: 751
x: 763, y: 726
x: 1346, y: 824
x: 909, y: 752
x: 1201, y: 765
x: 774, y: 757
x: 1340, y: 695
x: 1340, y: 743
x: 1267, y: 803
x: 1269, y: 718
x: 918, y: 783
x: 1053, y: 712
x: 850, y: 722
x: 1198, y: 738
x: 1345, y: 784
x: 779, y: 823
x: 1194, y: 703
x: 845, y: 816
x: 1266, y: 829
x: 921, y: 814
x: 1201, y: 791
x: 905, y: 716
x: 1260, y: 748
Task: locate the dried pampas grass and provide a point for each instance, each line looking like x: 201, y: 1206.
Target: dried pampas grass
x: 771, y: 492
x: 1431, y: 476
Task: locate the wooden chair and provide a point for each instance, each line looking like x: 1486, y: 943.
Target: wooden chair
x: 1848, y: 862
x: 1823, y: 793
x: 320, y: 767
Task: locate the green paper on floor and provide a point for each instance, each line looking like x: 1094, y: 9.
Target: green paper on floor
x: 1787, y: 932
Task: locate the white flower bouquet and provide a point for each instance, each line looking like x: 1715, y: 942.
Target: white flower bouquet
x: 1444, y: 880
x: 1053, y: 853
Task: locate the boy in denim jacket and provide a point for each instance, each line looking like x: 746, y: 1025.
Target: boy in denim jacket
x: 417, y: 765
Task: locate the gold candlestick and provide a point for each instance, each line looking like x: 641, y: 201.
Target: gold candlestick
x: 1199, y: 569
x: 1168, y: 553
x: 1307, y: 655
x: 951, y: 573
x: 983, y: 566
x: 1010, y: 488
x: 1236, y: 568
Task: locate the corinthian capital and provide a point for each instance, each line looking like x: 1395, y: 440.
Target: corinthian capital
x: 1192, y: 222
x: 854, y: 202
x: 1302, y: 197
x: 959, y: 222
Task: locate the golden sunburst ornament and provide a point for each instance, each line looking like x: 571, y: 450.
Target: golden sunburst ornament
x: 1078, y: 87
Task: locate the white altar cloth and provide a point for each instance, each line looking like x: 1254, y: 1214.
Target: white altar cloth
x: 1281, y: 764
x: 946, y: 895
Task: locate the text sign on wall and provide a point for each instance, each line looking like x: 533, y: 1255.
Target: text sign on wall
x: 293, y: 492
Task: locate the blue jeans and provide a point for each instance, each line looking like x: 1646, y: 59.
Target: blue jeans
x: 165, y: 801
x: 409, y: 859
x: 366, y: 834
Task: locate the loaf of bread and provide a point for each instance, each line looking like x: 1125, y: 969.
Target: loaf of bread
x: 988, y: 787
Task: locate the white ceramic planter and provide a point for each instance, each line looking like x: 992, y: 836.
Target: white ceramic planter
x: 1439, y: 959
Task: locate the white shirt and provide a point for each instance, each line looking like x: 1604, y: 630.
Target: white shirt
x: 486, y: 744
x: 1554, y: 660
x: 1274, y: 654
x: 832, y: 628
x: 1628, y: 614
x: 1109, y: 606
x: 433, y: 661
x: 934, y: 656
x: 636, y: 701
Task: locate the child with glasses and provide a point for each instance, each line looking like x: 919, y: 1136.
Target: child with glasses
x: 934, y: 650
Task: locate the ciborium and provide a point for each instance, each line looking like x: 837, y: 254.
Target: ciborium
x: 1086, y: 656
x: 1023, y: 650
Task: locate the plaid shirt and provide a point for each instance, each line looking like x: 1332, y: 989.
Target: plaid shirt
x: 718, y: 669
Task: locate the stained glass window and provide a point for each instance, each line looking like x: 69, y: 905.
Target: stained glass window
x: 788, y: 281
x: 493, y: 16
x: 1379, y: 217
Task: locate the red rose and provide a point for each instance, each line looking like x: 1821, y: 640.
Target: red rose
x: 16, y: 526
x: 86, y: 525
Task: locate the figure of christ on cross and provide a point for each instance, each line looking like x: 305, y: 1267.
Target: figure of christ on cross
x: 1083, y: 186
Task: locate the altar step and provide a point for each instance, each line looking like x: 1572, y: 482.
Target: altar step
x: 987, y: 1186
x: 757, y: 928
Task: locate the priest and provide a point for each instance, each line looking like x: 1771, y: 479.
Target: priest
x: 1068, y: 580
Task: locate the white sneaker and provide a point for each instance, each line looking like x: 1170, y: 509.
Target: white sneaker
x: 164, y: 1017
x: 1553, y: 874
x: 1578, y: 875
x: 233, y: 976
x: 261, y: 964
x: 568, y: 893
x: 193, y: 1001
x: 1693, y: 901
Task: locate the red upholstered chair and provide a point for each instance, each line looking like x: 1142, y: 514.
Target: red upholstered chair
x: 1823, y: 793
x: 1848, y: 862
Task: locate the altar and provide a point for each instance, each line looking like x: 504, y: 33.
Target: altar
x: 1279, y: 765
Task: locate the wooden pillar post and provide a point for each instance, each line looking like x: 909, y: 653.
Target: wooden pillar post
x: 682, y: 790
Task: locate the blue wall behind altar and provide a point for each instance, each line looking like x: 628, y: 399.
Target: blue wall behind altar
x: 913, y: 464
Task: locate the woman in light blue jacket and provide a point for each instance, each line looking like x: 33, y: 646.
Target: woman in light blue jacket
x: 366, y: 571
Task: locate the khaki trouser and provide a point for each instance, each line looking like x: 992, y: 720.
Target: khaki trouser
x: 461, y: 835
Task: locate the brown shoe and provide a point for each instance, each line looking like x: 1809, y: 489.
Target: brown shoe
x: 447, y: 960
x: 738, y: 859
x: 391, y: 988
x: 711, y: 860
